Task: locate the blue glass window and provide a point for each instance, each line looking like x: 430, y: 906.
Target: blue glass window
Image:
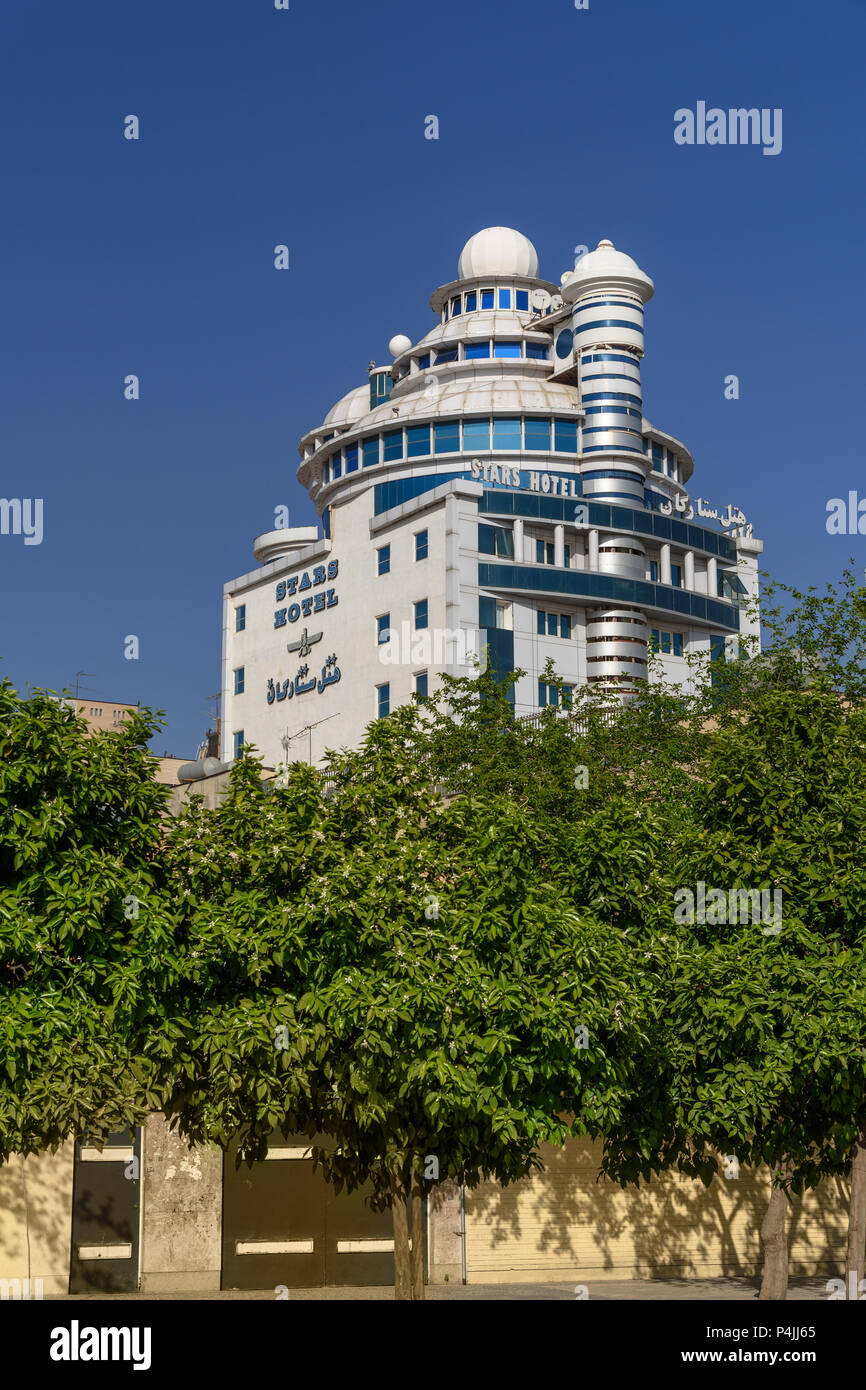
x: 521, y: 301
x: 542, y: 626
x: 654, y: 571
x: 552, y: 624
x: 496, y: 540
x: 505, y: 299
x: 446, y: 437
x: 420, y: 613
x: 471, y: 302
x: 475, y: 350
x: 677, y: 576
x: 476, y: 435
x: 487, y: 299
x: 421, y: 543
x: 540, y: 352
x: 565, y: 624
x: 506, y: 434
x: 424, y: 362
x: 421, y: 682
x: 537, y: 434
x: 383, y: 700
x: 238, y: 742
x: 383, y: 559
x: 506, y: 349
x: 455, y: 306
x: 678, y: 643
x: 486, y: 612
x: 449, y: 355
x: 336, y: 467
x: 544, y: 552
x: 565, y: 436
x: 239, y: 680
x: 371, y: 451
x: 393, y: 442
x: 417, y: 441
x: 383, y: 628
x: 351, y: 458
x: 658, y: 454
x: 240, y: 617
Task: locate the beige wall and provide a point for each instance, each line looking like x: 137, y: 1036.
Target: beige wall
x: 562, y: 1224
x: 36, y: 1209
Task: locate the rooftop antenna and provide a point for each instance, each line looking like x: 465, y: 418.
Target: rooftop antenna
x: 78, y: 674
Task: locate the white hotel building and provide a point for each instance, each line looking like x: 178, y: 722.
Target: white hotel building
x: 499, y: 480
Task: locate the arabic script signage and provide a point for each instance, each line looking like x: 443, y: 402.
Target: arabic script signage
x: 301, y: 685
x: 732, y: 517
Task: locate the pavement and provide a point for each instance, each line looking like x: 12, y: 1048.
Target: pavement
x: 599, y: 1291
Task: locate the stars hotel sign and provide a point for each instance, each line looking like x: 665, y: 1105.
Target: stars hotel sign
x: 302, y: 605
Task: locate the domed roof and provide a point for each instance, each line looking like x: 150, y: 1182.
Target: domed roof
x: 606, y: 265
x: 349, y: 407
x: 497, y: 251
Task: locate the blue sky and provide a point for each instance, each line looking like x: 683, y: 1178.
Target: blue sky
x: 306, y: 127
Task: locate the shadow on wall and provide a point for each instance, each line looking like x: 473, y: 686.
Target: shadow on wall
x: 568, y: 1219
x: 36, y: 1212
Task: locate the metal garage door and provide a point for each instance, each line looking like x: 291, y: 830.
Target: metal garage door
x: 105, y: 1215
x: 284, y: 1225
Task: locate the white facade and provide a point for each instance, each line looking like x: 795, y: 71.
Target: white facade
x: 526, y: 503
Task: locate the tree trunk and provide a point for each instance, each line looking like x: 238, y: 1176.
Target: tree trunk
x: 417, y: 1238
x: 402, y: 1256
x: 854, y: 1271
x: 774, y: 1238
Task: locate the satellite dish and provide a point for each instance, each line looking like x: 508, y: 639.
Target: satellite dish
x: 556, y: 301
x: 539, y: 299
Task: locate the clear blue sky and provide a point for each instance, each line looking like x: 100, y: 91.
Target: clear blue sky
x: 306, y: 127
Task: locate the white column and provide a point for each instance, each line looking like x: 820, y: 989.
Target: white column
x: 559, y: 545
x: 518, y: 539
x: 712, y: 576
x: 664, y: 564
x: 593, y: 550
x: 689, y: 570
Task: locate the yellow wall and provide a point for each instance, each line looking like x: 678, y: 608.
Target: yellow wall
x: 36, y: 1199
x: 562, y: 1224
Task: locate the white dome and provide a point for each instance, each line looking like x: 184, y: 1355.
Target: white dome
x: 497, y: 251
x: 606, y: 265
x: 399, y: 344
x: 349, y: 407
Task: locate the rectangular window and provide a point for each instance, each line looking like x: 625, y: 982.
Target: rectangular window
x: 239, y: 680
x: 505, y: 299
x: 655, y: 639
x: 371, y: 451
x: 487, y: 299
x: 565, y: 436
x: 544, y: 552
x: 383, y: 628
x: 449, y: 355
x: 506, y: 349
x: 541, y: 617
x: 455, y: 306
x: 336, y: 467
x: 658, y: 455
x: 537, y: 434
x: 678, y: 643
x: 446, y: 437
x: 471, y: 302
x: 421, y: 677
x: 552, y: 624
x: 565, y: 624
x: 238, y: 742
x: 393, y: 442
x: 351, y: 458
x: 476, y: 435
x: 521, y: 301
x: 417, y: 441
x: 654, y: 571
x: 475, y: 350
x: 240, y: 617
x: 496, y: 540
x: 421, y: 541
x: 420, y: 614
x: 486, y: 611
x: 677, y: 576
x: 666, y: 643
x: 383, y: 700
x: 506, y: 435
x: 549, y: 695
x: 538, y: 351
x: 424, y: 362
x: 383, y: 559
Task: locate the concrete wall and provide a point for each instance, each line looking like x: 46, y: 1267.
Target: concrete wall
x: 36, y: 1219
x: 181, y: 1247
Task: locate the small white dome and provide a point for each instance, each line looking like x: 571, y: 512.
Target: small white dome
x: 497, y: 251
x: 399, y: 344
x: 606, y: 265
x: 349, y: 407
